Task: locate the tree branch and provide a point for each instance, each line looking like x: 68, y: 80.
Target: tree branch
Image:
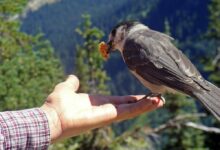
x: 176, y: 122
x: 202, y: 127
x: 217, y: 57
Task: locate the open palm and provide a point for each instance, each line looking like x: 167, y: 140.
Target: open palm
x: 72, y: 113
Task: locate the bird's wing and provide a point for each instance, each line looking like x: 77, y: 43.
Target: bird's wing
x: 152, y: 56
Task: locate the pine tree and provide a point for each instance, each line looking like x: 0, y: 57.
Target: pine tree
x: 89, y: 67
x: 181, y: 138
x: 28, y: 67
x: 178, y: 104
x: 212, y: 66
x: 89, y: 63
x: 214, y: 24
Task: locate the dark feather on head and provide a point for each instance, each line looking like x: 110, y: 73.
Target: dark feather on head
x: 126, y: 24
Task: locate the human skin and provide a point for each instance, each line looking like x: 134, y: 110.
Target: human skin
x: 70, y: 113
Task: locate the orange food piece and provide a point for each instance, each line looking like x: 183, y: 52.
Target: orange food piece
x: 103, y: 48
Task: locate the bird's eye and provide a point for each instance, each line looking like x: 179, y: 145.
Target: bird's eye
x: 110, y: 43
x: 113, y: 32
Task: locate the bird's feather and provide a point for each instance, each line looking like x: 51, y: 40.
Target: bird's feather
x: 153, y: 57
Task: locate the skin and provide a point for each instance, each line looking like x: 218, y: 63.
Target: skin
x: 70, y: 113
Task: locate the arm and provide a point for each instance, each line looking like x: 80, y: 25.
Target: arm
x: 26, y: 129
x: 65, y: 114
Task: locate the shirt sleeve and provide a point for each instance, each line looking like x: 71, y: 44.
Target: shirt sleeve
x: 25, y: 129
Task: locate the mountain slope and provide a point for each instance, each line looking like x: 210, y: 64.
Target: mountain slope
x: 187, y: 19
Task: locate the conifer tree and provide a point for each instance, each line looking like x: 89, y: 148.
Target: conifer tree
x: 89, y: 64
x: 212, y: 64
x: 178, y: 104
x: 28, y: 67
x: 89, y: 67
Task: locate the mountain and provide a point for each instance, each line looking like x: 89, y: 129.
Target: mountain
x: 187, y: 19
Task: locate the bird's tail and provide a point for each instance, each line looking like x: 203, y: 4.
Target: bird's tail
x: 210, y: 99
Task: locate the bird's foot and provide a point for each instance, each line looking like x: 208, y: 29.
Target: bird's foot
x: 151, y: 95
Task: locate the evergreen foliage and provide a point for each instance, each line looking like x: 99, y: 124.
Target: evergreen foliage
x: 214, y: 25
x: 89, y: 63
x: 89, y: 66
x: 28, y: 68
x: 177, y: 138
x: 212, y: 66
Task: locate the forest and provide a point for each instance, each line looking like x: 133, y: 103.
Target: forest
x: 41, y: 44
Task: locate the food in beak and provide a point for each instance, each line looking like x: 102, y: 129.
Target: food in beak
x: 103, y: 49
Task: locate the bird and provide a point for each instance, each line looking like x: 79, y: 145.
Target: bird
x: 159, y: 65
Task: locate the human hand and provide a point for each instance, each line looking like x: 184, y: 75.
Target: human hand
x: 70, y: 113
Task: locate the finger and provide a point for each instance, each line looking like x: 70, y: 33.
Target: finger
x: 100, y: 99
x: 72, y: 82
x: 105, y: 114
x: 108, y: 113
x: 126, y: 111
x: 125, y: 99
x: 97, y: 116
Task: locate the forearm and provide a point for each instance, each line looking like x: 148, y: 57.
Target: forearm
x: 25, y: 129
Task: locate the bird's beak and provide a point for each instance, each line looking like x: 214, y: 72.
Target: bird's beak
x: 106, y: 48
x: 110, y: 47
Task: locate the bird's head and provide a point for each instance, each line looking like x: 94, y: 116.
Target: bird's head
x: 118, y: 35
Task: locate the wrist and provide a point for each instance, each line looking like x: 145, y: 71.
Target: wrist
x: 54, y: 122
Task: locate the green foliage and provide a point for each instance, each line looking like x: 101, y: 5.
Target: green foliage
x: 181, y: 138
x: 89, y: 66
x: 212, y: 69
x: 177, y: 138
x: 188, y: 19
x: 212, y: 66
x: 11, y: 7
x: 98, y: 139
x: 214, y: 25
x: 93, y: 79
x: 28, y: 67
x: 89, y: 63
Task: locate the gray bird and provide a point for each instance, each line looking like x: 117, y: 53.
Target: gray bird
x: 160, y: 66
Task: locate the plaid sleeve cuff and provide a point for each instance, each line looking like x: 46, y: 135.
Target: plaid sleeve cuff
x: 25, y: 129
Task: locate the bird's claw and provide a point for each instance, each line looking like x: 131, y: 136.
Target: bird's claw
x: 163, y: 99
x: 150, y: 95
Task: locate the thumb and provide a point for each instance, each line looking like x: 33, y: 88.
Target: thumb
x: 73, y: 82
